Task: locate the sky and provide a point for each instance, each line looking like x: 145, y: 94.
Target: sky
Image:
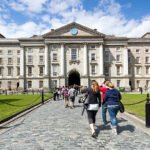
x: 24, y: 18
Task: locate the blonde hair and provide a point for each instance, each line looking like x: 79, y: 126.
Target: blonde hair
x: 111, y: 85
x: 95, y: 86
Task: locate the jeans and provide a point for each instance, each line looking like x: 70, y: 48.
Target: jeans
x: 104, y: 110
x: 113, y: 110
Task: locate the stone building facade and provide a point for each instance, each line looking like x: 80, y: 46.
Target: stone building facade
x: 74, y: 54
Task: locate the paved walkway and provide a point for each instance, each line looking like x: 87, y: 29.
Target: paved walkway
x: 53, y: 127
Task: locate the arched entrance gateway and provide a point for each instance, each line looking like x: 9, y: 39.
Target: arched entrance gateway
x: 73, y: 77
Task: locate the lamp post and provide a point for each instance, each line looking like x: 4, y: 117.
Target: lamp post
x: 147, y: 111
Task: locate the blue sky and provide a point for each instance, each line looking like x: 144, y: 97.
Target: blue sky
x: 23, y: 18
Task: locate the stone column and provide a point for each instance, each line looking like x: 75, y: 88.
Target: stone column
x: 46, y: 60
x: 125, y: 61
x: 85, y: 58
x: 22, y: 58
x: 62, y: 59
x: 101, y: 63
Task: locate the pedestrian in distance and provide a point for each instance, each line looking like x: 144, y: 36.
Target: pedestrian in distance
x: 72, y: 94
x: 94, y: 103
x: 104, y: 88
x: 112, y: 98
x: 66, y: 96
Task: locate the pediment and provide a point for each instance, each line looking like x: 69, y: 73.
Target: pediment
x: 73, y: 30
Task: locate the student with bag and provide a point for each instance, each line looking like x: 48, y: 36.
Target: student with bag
x: 94, y: 102
x: 112, y: 97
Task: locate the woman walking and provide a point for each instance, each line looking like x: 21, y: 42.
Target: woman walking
x: 94, y: 102
x: 112, y: 97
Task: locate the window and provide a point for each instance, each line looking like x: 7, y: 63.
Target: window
x: 18, y: 60
x: 29, y: 84
x: 1, y: 52
x: 106, y: 70
x: 1, y: 71
x: 55, y: 70
x: 129, y: 50
x: 9, y: 52
x: 118, y: 83
x: 147, y: 83
x: 118, y: 58
x: 146, y: 50
x: 40, y: 84
x: 41, y: 71
x: 147, y: 60
x: 18, y: 52
x: 10, y: 71
x: 41, y: 58
x: 10, y: 61
x: 54, y: 83
x: 0, y: 84
x: 137, y: 51
x: 93, y: 56
x: 41, y: 50
x: 9, y: 85
x: 118, y: 70
x: 138, y: 70
x: 137, y: 83
x: 73, y: 54
x: 1, y: 61
x: 93, y: 47
x: 18, y: 71
x: 54, y: 57
x: 107, y: 56
x: 30, y: 50
x: 147, y: 70
x: 137, y: 60
x: 93, y: 69
x: 30, y: 59
x: 29, y: 71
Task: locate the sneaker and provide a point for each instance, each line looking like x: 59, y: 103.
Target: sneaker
x: 94, y: 135
x: 114, y: 131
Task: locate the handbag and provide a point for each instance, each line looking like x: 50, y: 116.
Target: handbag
x: 121, y: 107
x: 93, y: 107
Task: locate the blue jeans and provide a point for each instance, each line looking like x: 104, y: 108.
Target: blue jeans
x: 113, y: 110
x: 104, y: 110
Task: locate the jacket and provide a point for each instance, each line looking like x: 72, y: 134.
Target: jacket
x: 103, y: 90
x: 112, y: 97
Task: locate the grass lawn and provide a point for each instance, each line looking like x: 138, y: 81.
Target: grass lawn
x: 12, y: 104
x: 133, y: 105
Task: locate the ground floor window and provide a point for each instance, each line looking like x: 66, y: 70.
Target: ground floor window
x: 0, y: 84
x: 40, y: 84
x: 137, y: 83
x: 9, y: 85
x: 118, y: 83
x: 29, y: 84
x: 54, y: 83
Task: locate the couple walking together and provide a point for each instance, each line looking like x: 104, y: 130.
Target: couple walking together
x: 110, y: 100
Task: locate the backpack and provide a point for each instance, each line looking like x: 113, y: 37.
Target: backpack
x: 65, y: 93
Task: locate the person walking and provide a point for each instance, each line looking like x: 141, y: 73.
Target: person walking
x: 94, y: 102
x: 72, y: 94
x: 104, y: 88
x: 66, y: 97
x: 112, y: 98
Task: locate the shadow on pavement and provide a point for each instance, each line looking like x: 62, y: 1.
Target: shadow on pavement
x: 130, y: 128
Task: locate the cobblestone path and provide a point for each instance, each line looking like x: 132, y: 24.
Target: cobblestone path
x: 53, y: 127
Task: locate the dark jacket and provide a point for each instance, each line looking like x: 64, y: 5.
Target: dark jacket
x: 112, y: 97
x: 93, y: 97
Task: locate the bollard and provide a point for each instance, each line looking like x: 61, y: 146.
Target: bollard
x: 147, y: 110
x: 42, y: 97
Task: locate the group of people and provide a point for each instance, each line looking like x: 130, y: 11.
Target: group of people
x: 67, y: 94
x: 108, y: 100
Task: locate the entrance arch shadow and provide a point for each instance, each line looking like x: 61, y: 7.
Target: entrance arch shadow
x: 73, y: 77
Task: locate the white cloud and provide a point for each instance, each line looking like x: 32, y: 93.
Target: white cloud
x: 107, y: 17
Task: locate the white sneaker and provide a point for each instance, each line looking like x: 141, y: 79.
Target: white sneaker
x: 114, y: 131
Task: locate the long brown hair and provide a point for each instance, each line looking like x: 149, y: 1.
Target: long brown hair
x: 94, y: 86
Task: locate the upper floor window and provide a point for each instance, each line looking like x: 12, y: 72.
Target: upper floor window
x: 1, y: 71
x: 30, y: 59
x: 18, y: 71
x: 138, y: 70
x: 41, y: 59
x: 137, y: 60
x: 55, y: 70
x: 118, y: 70
x: 147, y: 59
x: 10, y: 71
x: 29, y: 71
x: 147, y: 70
x: 146, y: 50
x: 92, y: 46
x: 93, y: 69
x: 118, y: 58
x: 106, y: 70
x: 73, y: 54
x: 1, y: 61
x: 10, y: 61
x: 18, y: 60
x: 54, y: 57
x: 137, y: 51
x: 93, y: 56
x: 18, y: 52
x: 1, y: 52
x: 41, y: 50
x: 9, y: 52
x: 107, y: 56
x: 30, y: 50
x: 41, y: 71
